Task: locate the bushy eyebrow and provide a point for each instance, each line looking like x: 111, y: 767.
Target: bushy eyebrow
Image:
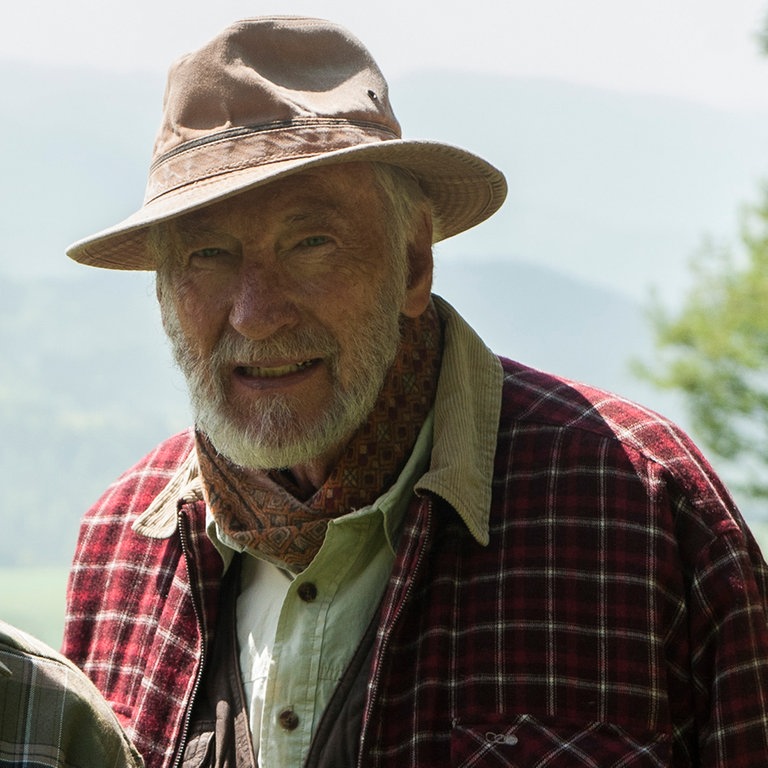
x: 190, y: 229
x: 317, y: 216
x: 197, y: 226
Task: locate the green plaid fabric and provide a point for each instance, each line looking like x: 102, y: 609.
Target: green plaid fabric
x: 51, y: 716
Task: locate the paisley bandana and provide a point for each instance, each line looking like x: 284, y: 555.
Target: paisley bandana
x: 261, y: 511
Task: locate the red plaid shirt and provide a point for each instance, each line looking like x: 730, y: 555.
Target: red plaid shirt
x: 616, y: 618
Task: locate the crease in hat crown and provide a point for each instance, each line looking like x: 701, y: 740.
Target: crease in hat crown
x: 266, y: 91
x: 269, y: 97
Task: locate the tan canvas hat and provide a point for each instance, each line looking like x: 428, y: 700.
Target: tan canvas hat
x: 274, y: 96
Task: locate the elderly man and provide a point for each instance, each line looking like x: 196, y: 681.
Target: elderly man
x: 381, y: 545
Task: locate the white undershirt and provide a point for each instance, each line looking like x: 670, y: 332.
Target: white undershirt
x: 257, y: 623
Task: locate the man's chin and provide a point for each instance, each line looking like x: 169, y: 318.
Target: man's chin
x: 249, y: 453
x: 281, y: 438
x: 252, y: 450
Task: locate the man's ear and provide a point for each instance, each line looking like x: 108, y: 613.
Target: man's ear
x: 420, y: 266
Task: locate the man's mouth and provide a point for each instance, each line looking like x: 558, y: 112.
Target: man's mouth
x: 274, y: 371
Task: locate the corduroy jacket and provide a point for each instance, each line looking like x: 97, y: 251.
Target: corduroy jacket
x: 616, y: 616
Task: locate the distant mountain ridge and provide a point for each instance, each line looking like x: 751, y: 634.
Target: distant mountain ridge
x: 615, y: 189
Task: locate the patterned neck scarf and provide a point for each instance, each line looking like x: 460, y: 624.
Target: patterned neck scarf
x: 260, y: 510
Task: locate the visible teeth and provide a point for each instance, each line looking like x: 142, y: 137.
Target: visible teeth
x: 276, y: 371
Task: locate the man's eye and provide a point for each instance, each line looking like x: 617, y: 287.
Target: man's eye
x: 208, y: 253
x: 314, y: 240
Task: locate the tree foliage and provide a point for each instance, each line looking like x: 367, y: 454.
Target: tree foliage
x: 714, y: 349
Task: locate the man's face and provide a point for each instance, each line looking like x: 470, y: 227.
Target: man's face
x: 283, y: 307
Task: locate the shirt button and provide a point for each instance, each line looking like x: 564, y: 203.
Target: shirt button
x: 288, y: 719
x: 307, y: 592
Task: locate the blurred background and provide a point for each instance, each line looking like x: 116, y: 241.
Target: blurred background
x: 630, y: 253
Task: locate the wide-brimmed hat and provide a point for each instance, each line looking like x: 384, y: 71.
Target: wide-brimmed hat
x: 270, y: 97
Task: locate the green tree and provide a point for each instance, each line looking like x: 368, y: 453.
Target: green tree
x: 714, y: 349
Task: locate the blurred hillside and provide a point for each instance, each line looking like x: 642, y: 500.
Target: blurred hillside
x: 86, y: 388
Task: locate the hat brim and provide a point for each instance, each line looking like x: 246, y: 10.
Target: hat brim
x: 464, y: 190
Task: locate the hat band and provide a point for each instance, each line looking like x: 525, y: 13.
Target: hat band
x: 250, y: 147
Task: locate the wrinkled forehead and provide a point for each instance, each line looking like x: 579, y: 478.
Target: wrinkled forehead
x: 338, y: 189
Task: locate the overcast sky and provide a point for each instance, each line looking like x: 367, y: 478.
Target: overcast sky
x: 705, y: 50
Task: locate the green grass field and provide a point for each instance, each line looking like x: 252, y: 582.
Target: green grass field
x: 33, y: 600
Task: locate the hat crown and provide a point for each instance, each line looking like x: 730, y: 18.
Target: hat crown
x: 265, y: 71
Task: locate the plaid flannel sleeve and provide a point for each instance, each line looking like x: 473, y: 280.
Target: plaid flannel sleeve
x: 729, y: 651
x: 50, y: 714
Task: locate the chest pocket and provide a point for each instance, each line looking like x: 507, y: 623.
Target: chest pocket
x: 528, y: 742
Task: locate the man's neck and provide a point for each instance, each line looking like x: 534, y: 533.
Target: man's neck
x: 302, y: 480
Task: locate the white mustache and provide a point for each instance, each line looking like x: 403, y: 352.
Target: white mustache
x: 303, y: 344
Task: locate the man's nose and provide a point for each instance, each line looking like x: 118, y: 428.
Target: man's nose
x: 262, y: 303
